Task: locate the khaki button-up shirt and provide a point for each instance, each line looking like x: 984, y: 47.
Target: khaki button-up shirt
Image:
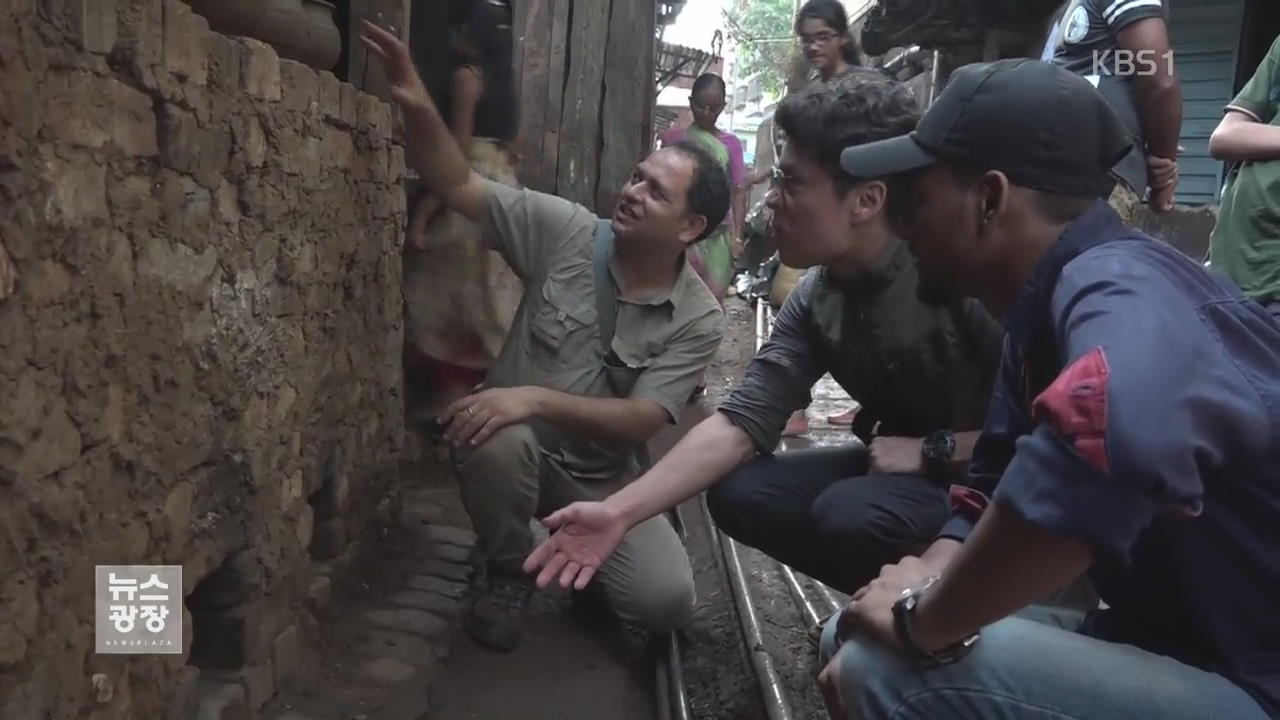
x: 661, y: 346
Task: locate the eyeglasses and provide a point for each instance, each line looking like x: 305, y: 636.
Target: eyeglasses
x: 788, y: 185
x: 703, y: 107
x: 821, y: 38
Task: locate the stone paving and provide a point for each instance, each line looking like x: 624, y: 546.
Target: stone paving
x: 392, y: 633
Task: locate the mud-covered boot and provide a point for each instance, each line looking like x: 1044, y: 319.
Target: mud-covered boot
x: 496, y: 615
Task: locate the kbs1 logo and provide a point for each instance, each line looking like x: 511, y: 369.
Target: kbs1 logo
x: 1130, y: 63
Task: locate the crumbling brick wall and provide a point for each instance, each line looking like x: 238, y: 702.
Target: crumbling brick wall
x: 202, y: 364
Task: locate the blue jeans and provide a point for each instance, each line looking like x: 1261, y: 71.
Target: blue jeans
x: 1025, y: 670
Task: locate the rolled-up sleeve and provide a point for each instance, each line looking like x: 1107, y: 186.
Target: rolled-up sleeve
x: 779, y: 378
x: 674, y: 374
x: 1120, y: 430
x: 528, y: 227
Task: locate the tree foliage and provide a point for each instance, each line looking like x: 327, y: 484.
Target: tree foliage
x: 762, y: 30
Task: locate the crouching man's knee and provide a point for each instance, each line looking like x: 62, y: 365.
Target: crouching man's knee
x: 870, y: 678
x: 511, y: 450
x: 661, y: 607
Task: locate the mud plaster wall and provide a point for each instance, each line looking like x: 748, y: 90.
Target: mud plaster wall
x: 202, y: 364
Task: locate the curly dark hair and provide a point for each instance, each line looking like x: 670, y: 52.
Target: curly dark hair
x: 708, y: 194
x: 823, y: 120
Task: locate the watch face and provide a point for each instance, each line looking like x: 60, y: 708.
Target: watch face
x: 939, y: 446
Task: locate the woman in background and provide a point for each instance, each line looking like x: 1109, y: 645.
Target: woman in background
x: 822, y: 27
x: 460, y: 296
x: 714, y: 256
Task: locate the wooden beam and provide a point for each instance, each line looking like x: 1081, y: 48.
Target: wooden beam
x: 557, y: 78
x: 628, y: 90
x: 577, y: 174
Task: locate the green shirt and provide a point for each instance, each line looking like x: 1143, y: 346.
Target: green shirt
x: 1246, y: 240
x: 662, y: 344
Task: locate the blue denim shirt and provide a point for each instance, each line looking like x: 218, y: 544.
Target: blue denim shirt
x: 1137, y: 409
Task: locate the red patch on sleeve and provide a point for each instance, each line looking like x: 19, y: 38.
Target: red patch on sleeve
x: 967, y: 502
x: 1076, y: 406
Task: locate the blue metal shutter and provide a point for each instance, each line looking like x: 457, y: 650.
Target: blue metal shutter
x: 1205, y: 37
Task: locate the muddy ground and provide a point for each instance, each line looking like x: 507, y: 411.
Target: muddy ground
x: 576, y: 662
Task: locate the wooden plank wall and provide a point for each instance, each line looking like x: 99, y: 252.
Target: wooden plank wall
x: 585, y: 70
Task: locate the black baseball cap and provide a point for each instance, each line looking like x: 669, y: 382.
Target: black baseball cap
x: 1044, y: 127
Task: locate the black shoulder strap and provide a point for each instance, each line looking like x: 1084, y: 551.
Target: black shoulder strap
x: 606, y: 290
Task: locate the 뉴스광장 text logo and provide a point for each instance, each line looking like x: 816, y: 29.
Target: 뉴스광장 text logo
x: 138, y: 609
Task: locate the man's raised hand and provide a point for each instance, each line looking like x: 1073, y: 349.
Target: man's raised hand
x: 402, y: 77
x: 584, y: 535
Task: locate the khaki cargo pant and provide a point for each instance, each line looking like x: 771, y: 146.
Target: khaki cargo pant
x: 510, y: 480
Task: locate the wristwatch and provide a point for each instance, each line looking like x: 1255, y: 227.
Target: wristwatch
x: 904, y: 627
x: 937, y: 452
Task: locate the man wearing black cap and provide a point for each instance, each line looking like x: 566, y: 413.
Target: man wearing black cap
x: 1134, y: 433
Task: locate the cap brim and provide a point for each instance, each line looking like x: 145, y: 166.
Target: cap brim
x: 885, y: 157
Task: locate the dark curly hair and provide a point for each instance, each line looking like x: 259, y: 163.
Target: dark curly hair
x: 823, y: 120
x: 709, y: 194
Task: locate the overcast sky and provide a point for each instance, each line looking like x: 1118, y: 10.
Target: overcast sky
x: 696, y: 25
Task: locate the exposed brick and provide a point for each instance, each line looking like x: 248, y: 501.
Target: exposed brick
x: 329, y: 96
x: 78, y: 192
x: 260, y: 70
x: 299, y: 86
x: 417, y: 622
x: 286, y: 655
x: 180, y: 139
x: 250, y: 142
x: 186, y: 36
x: 226, y: 59
x: 95, y: 24
x: 373, y: 115
x: 45, y: 282
x: 337, y: 149
x: 141, y: 28
x: 438, y: 585
x: 75, y: 110
x: 350, y: 98
x: 133, y: 127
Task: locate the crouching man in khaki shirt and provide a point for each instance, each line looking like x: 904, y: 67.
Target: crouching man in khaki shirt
x: 561, y: 419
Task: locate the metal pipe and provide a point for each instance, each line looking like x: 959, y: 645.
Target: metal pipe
x: 775, y: 704
x: 829, y: 597
x: 662, y: 683
x: 797, y: 593
x: 678, y: 694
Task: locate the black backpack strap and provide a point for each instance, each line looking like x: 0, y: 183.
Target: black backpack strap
x: 607, y: 311
x: 606, y: 290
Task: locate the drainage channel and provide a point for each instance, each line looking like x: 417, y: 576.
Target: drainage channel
x: 673, y: 695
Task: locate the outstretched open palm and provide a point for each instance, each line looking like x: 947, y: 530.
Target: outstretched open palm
x: 402, y: 77
x: 583, y: 536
